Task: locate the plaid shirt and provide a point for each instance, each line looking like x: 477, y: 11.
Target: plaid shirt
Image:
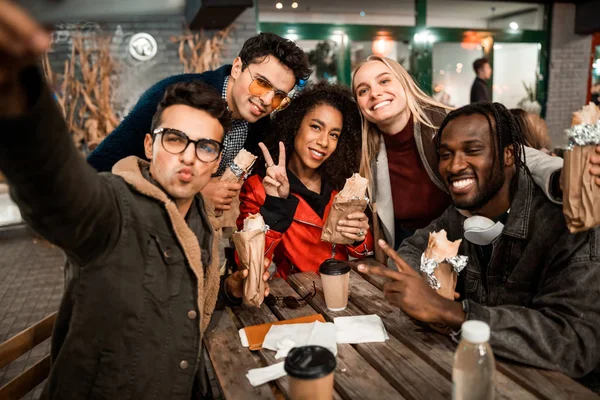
x: 234, y: 139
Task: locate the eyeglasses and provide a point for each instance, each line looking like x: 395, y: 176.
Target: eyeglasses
x: 175, y: 142
x: 289, y: 301
x: 260, y: 86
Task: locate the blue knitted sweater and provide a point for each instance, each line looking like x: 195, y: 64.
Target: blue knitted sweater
x: 128, y: 138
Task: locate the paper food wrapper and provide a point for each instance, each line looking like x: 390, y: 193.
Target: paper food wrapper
x: 237, y: 172
x: 250, y: 246
x: 351, y: 199
x: 440, y: 263
x: 581, y: 195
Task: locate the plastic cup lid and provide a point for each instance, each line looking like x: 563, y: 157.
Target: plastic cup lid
x: 334, y: 267
x: 309, y: 362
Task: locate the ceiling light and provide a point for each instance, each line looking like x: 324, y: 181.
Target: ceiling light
x: 294, y: 5
x: 279, y: 6
x: 514, y: 26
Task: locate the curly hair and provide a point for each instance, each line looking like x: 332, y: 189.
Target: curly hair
x: 260, y: 46
x: 285, y: 125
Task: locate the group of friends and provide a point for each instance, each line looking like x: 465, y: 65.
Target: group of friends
x: 142, y: 236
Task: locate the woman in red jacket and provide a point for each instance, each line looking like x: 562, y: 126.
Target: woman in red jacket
x: 319, y: 136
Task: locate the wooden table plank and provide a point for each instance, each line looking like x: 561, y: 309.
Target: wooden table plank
x: 355, y: 378
x: 410, y: 375
x: 229, y: 357
x: 543, y: 383
x: 253, y: 316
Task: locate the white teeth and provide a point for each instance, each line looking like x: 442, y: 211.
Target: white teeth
x: 382, y: 104
x: 316, y: 153
x: 463, y: 183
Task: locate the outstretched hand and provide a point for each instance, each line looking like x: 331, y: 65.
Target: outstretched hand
x: 411, y: 292
x: 275, y: 182
x: 22, y: 42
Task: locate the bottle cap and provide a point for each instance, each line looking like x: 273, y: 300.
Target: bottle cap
x: 475, y: 331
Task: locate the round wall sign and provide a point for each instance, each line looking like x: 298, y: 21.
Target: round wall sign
x: 142, y: 46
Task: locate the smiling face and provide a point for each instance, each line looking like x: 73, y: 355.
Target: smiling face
x: 469, y: 164
x: 250, y: 107
x: 183, y: 175
x: 317, y: 137
x: 379, y: 94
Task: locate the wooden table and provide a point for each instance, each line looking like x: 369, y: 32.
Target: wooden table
x: 415, y: 363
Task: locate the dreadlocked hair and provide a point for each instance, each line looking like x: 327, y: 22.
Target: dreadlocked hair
x: 344, y: 161
x: 505, y: 131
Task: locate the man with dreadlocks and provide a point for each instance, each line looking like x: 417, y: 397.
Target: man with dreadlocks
x: 536, y: 284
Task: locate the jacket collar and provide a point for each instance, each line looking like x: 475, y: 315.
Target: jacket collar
x: 517, y: 224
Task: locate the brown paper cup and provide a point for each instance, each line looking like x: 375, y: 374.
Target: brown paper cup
x: 581, y: 195
x: 340, y: 211
x: 335, y: 276
x: 250, y: 247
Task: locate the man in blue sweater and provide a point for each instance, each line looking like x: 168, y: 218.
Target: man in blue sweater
x: 265, y: 71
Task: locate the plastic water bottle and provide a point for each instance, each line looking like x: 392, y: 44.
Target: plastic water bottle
x: 474, y: 364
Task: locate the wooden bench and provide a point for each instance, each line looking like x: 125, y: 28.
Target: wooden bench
x: 20, y: 344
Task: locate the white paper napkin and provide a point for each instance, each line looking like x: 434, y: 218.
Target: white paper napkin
x: 244, y: 338
x: 282, y: 338
x: 360, y: 329
x: 258, y: 376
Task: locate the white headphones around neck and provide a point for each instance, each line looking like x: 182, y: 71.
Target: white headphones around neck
x: 481, y: 230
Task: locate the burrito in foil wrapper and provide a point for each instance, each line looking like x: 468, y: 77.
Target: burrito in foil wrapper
x: 352, y: 198
x: 250, y: 246
x: 581, y: 195
x: 441, y: 265
x: 237, y: 172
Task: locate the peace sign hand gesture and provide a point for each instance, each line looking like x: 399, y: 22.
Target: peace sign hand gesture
x: 276, y: 182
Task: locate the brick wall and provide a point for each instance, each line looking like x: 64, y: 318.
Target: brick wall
x: 569, y: 71
x: 134, y: 76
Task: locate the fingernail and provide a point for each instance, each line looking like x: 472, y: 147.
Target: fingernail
x: 362, y: 267
x: 382, y: 243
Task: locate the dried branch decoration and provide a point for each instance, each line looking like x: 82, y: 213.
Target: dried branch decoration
x: 86, y: 88
x: 201, y: 53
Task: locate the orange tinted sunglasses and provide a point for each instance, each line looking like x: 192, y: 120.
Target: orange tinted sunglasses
x: 260, y: 86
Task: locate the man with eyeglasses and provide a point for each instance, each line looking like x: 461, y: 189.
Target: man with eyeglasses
x: 265, y: 71
x: 142, y: 264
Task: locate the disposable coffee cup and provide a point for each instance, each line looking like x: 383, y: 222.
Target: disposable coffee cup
x: 335, y: 276
x: 310, y: 370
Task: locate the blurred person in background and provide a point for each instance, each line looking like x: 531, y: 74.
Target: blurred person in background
x: 480, y: 91
x: 534, y: 128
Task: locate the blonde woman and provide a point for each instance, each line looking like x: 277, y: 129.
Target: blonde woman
x: 399, y: 122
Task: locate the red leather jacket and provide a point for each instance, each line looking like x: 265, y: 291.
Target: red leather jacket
x: 299, y: 248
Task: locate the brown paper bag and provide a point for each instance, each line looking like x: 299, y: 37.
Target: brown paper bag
x: 237, y: 172
x: 250, y: 246
x: 439, y: 248
x: 581, y: 195
x: 351, y: 199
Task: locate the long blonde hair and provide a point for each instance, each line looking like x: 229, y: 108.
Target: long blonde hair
x: 417, y: 102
